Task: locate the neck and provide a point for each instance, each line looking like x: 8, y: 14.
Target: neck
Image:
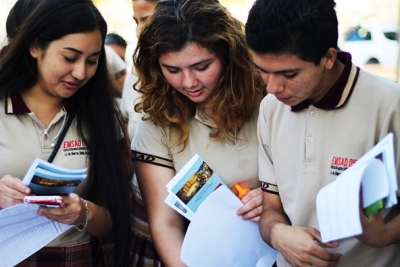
x: 45, y: 108
x: 330, y: 79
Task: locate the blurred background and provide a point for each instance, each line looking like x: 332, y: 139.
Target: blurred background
x: 369, y: 29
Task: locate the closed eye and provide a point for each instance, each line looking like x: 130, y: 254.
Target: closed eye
x: 203, y: 68
x: 70, y: 60
x: 290, y: 75
x: 173, y: 71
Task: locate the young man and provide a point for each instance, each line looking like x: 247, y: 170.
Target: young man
x: 320, y: 106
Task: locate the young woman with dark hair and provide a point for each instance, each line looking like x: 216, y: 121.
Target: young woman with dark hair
x: 55, y: 70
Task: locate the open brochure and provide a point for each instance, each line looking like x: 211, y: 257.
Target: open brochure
x: 191, y: 185
x: 338, y: 203
x: 45, y: 178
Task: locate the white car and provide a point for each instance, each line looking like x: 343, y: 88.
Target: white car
x: 376, y: 44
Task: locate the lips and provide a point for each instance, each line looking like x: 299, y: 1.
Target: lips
x: 194, y: 93
x: 71, y: 85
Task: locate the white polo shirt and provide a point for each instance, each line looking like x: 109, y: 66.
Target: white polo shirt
x: 22, y: 140
x: 300, y: 145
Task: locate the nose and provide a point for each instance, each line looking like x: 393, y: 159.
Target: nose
x: 79, y: 71
x: 273, y: 83
x: 189, y: 79
x: 138, y: 30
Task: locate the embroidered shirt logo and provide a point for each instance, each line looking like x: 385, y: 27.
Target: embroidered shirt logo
x: 340, y: 164
x: 74, y: 148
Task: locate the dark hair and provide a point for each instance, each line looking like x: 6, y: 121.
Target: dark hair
x: 99, y: 122
x: 306, y: 28
x: 207, y: 23
x: 113, y: 38
x: 17, y: 14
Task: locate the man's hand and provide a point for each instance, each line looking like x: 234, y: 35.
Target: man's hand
x: 302, y: 246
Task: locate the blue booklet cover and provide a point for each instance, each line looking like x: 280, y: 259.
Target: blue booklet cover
x: 191, y: 185
x: 45, y: 178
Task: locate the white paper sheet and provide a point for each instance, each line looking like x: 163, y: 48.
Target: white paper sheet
x: 23, y: 232
x: 338, y: 203
x: 218, y: 237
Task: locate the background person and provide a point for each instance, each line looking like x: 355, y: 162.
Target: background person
x: 142, y: 10
x: 52, y: 69
x: 118, y: 43
x: 144, y: 252
x: 319, y: 106
x: 200, y: 93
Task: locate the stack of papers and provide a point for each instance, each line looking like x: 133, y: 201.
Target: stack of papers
x: 216, y: 235
x: 338, y: 203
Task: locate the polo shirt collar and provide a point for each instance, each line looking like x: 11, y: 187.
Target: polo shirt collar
x: 16, y: 105
x: 341, y: 91
x: 201, y: 118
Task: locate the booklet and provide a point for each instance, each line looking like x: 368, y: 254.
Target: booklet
x: 191, y: 186
x: 45, y: 178
x: 374, y: 177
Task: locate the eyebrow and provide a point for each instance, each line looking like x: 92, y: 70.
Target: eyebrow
x: 193, y: 65
x: 277, y: 72
x: 80, y: 52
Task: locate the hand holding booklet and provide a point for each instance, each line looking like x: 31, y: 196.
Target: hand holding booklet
x: 46, y: 178
x: 216, y: 235
x: 338, y: 203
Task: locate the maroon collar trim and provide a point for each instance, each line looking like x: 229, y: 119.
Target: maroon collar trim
x: 16, y: 105
x: 332, y: 99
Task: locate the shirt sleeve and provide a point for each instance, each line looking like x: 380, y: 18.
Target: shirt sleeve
x: 150, y: 145
x: 265, y: 163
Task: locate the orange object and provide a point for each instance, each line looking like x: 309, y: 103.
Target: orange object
x: 241, y: 191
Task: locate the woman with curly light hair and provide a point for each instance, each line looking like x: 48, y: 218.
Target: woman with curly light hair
x: 199, y: 93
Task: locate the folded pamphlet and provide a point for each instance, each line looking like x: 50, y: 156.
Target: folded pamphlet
x: 191, y: 186
x: 46, y: 178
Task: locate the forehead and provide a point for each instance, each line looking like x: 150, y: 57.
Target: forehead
x: 142, y: 8
x: 189, y: 55
x: 88, y: 42
x: 276, y: 62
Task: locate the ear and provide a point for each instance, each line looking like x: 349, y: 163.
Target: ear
x: 34, y: 50
x: 330, y: 58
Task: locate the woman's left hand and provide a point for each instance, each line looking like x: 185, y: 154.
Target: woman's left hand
x: 73, y: 213
x: 251, y: 210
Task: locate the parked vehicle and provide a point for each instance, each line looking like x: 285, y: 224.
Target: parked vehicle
x: 375, y: 44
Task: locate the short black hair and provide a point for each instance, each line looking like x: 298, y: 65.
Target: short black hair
x: 113, y: 38
x: 306, y: 28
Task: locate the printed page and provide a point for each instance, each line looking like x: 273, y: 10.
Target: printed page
x: 338, y: 203
x: 23, y: 232
x: 175, y: 203
x: 193, y: 184
x: 218, y: 237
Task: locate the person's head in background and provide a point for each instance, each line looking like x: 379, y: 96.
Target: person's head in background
x: 118, y: 43
x: 223, y: 66
x: 142, y: 10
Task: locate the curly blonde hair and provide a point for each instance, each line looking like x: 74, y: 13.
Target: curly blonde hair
x: 207, y: 23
